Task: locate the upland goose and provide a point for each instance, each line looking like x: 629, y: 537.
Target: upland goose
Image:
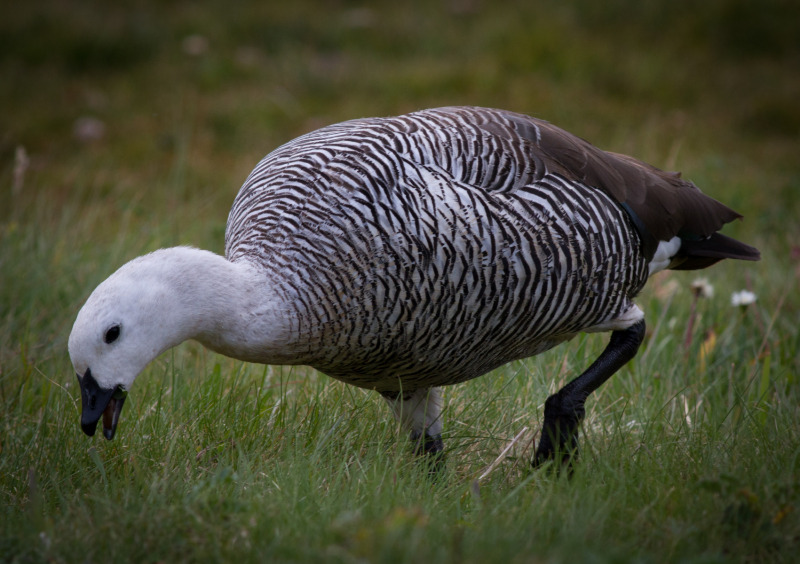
x: 406, y: 253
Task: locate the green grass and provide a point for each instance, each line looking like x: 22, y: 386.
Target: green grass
x: 691, y: 453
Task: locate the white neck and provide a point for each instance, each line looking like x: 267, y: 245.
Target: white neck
x: 229, y: 307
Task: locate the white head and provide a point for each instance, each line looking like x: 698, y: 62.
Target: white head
x: 132, y: 317
x: 160, y: 300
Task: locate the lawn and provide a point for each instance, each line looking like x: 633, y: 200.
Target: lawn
x: 130, y: 128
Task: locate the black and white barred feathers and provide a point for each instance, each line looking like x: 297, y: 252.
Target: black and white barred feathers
x: 430, y: 248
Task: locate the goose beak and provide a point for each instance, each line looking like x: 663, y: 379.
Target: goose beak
x: 97, y: 402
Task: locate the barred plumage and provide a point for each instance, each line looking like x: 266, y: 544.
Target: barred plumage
x: 422, y: 250
x: 405, y: 253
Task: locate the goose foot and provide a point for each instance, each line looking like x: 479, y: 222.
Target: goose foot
x: 559, y: 437
x: 431, y: 449
x: 564, y: 410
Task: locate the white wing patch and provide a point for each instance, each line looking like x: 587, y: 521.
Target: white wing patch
x: 630, y: 317
x: 664, y: 253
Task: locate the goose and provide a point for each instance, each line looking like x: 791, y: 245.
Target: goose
x: 403, y: 254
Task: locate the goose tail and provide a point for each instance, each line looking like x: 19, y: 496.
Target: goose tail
x: 701, y: 253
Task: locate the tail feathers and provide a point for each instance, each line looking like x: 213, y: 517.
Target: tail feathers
x: 694, y: 255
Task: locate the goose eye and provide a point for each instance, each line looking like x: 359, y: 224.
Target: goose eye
x: 112, y: 334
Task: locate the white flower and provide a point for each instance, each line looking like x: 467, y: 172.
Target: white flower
x: 742, y: 299
x: 702, y: 289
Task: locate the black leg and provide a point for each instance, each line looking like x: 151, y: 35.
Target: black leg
x: 564, y: 410
x: 431, y: 445
x: 431, y: 449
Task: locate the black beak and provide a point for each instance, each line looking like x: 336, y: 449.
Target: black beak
x: 99, y: 402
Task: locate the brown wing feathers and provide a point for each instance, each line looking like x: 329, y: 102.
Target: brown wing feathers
x: 661, y: 204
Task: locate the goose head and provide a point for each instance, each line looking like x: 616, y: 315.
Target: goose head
x: 129, y: 319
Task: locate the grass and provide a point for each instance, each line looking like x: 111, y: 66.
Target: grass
x: 691, y: 453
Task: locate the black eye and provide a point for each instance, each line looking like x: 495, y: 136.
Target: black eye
x: 112, y: 334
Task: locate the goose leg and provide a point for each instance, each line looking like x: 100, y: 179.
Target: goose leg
x: 420, y: 411
x: 564, y: 410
